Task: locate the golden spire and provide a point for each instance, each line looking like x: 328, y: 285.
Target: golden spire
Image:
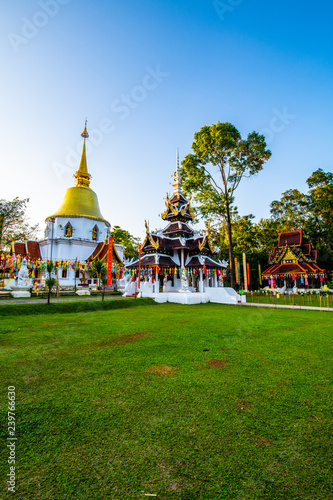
x: 177, y: 185
x: 82, y: 176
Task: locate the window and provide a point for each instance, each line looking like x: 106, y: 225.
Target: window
x: 64, y: 273
x: 95, y: 232
x: 68, y: 230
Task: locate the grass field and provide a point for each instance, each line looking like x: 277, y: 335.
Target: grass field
x: 126, y: 399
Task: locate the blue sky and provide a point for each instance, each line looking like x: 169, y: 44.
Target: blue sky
x: 148, y: 75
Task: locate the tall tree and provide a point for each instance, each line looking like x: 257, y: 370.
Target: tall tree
x: 291, y: 211
x: 220, y: 148
x: 15, y: 223
x: 320, y: 200
x: 320, y: 203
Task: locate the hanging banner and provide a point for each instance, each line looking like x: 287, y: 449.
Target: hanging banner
x: 109, y: 281
x: 259, y: 272
x: 245, y: 272
x: 139, y: 266
x: 248, y: 274
x: 236, y: 272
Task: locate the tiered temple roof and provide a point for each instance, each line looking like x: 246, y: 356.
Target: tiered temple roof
x: 292, y: 257
x: 164, y: 248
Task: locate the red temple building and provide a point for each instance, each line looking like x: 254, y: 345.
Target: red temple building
x: 294, y: 263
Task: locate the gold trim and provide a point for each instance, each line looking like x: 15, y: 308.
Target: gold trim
x: 170, y: 207
x: 154, y: 244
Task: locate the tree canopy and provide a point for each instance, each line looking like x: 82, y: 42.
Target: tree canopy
x: 123, y: 237
x: 15, y: 223
x: 310, y: 212
x: 213, y: 173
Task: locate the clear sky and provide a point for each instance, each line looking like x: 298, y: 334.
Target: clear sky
x: 149, y: 74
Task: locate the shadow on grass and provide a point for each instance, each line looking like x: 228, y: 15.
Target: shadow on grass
x: 73, y: 307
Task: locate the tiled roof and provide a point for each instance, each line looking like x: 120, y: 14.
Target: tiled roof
x: 149, y: 260
x: 207, y: 261
x: 290, y: 238
x: 28, y: 249
x: 293, y: 268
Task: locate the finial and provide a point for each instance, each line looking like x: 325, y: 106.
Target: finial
x: 85, y: 134
x: 177, y: 184
x: 82, y: 176
x: 178, y: 161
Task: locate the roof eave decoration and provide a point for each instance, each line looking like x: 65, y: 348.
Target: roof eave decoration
x: 155, y: 244
x: 105, y: 257
x: 187, y: 208
x: 169, y: 208
x: 94, y: 259
x: 206, y: 239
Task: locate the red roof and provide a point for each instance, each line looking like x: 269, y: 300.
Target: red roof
x: 293, y: 268
x: 33, y: 249
x: 28, y: 249
x: 101, y: 253
x: 290, y: 238
x: 19, y: 249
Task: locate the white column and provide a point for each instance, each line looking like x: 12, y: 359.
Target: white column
x: 181, y: 269
x: 156, y: 284
x: 215, y: 279
x: 201, y: 288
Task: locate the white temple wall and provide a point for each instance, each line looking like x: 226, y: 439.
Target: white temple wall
x: 67, y: 249
x: 81, y: 228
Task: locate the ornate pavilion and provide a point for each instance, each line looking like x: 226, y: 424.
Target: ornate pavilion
x: 178, y: 257
x: 293, y: 263
x: 75, y: 236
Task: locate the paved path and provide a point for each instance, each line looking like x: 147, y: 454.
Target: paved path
x: 281, y: 306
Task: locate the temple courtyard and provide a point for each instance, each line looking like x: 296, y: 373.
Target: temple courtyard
x: 130, y: 399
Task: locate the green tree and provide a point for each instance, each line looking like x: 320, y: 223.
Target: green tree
x: 220, y: 148
x: 320, y: 204
x: 15, y: 224
x: 123, y: 237
x: 291, y: 211
x: 99, y: 270
x: 267, y: 233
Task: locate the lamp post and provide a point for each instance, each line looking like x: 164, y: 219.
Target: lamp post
x: 52, y: 220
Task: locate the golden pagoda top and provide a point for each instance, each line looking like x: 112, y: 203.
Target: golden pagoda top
x: 82, y: 176
x: 80, y: 200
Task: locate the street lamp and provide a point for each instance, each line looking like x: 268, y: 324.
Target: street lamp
x: 52, y: 220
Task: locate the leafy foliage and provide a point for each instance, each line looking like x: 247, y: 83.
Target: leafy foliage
x: 213, y: 173
x: 123, y: 237
x: 15, y: 224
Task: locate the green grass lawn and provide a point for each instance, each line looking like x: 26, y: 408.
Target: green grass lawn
x: 181, y: 402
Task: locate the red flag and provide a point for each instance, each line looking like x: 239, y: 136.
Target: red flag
x: 110, y: 261
x: 139, y: 266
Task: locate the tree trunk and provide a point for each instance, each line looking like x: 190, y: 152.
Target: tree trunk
x: 231, y: 251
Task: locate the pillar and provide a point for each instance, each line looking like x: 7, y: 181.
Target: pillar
x: 201, y: 287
